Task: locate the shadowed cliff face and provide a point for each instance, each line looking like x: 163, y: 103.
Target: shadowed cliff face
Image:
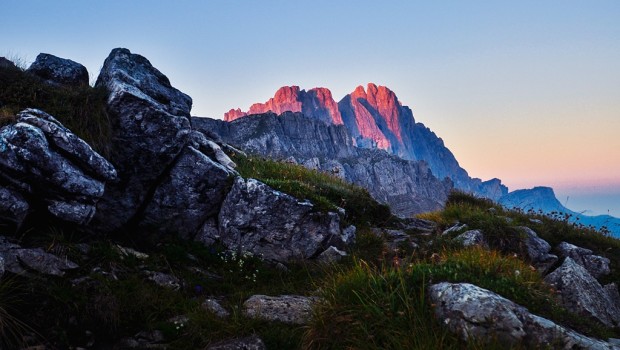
x: 376, y: 119
x: 407, y: 186
x: 317, y: 102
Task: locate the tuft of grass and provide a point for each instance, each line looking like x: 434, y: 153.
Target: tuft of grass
x: 81, y: 109
x: 13, y: 331
x: 375, y: 308
x: 327, y: 192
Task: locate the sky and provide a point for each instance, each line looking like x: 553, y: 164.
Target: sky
x: 527, y: 91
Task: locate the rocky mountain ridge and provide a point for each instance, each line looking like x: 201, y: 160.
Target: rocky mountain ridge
x: 316, y: 102
x: 407, y: 186
x: 376, y: 119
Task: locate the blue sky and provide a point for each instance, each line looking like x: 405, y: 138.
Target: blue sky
x: 526, y: 91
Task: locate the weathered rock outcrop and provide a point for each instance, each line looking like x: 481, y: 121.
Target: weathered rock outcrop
x: 596, y: 265
x: 317, y: 103
x: 45, y: 164
x: 474, y: 313
x: 18, y: 260
x: 407, y: 186
x: 150, y: 127
x: 537, y: 250
x: 582, y: 293
x: 59, y: 71
x: 190, y: 193
x: 274, y: 225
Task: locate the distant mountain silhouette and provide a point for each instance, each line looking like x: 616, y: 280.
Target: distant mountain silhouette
x: 543, y: 199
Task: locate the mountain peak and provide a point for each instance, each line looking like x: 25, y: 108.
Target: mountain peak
x: 317, y: 102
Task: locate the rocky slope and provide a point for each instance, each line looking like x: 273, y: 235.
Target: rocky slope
x: 544, y: 199
x: 163, y: 176
x: 376, y: 119
x: 218, y: 242
x: 407, y: 186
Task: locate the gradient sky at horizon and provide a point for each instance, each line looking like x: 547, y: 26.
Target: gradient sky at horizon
x: 526, y: 91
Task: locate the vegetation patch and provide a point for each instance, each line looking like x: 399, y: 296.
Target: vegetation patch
x: 81, y: 109
x: 327, y: 192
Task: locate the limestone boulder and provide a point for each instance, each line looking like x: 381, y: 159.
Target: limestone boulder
x: 45, y: 162
x: 59, y: 71
x: 274, y: 225
x: 537, y: 250
x: 583, y: 294
x: 596, y: 265
x: 476, y: 314
x: 293, y: 309
x: 150, y: 127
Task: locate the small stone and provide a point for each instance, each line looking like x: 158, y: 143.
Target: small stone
x: 248, y: 343
x: 331, y: 255
x: 472, y: 238
x: 454, y: 228
x: 164, y: 280
x: 293, y: 309
x: 214, y: 306
x: 125, y: 251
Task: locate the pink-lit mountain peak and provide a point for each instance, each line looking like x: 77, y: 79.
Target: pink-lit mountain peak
x: 376, y: 101
x: 317, y: 102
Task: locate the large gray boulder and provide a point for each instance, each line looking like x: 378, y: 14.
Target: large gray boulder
x: 537, y: 250
x: 596, y: 265
x: 43, y: 159
x: 190, y: 193
x: 477, y: 314
x: 583, y: 294
x: 59, y: 71
x: 274, y: 225
x: 150, y: 126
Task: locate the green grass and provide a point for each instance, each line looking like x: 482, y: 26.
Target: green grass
x: 375, y: 299
x: 386, y: 307
x: 498, y: 225
x: 327, y: 192
x: 81, y: 109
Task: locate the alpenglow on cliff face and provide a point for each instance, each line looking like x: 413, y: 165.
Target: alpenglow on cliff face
x: 376, y: 119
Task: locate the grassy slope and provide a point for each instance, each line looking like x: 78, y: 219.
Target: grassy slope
x: 375, y: 299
